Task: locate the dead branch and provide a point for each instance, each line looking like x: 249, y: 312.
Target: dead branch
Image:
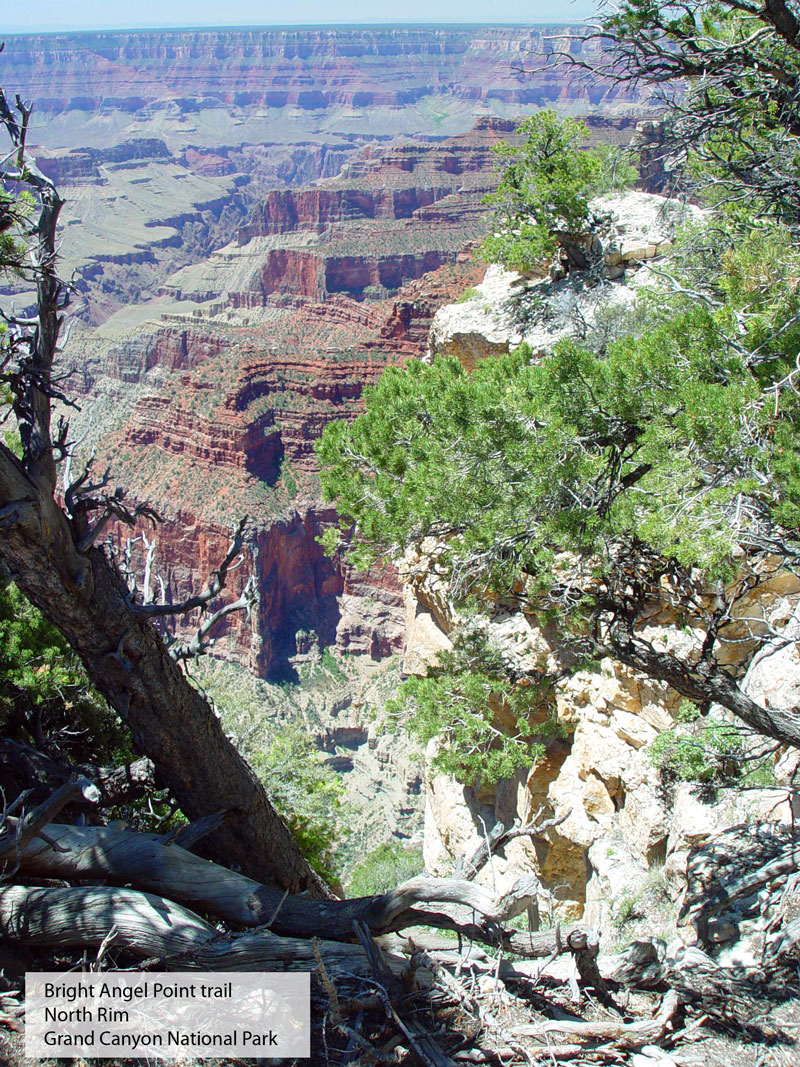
x: 164, y: 867
x: 627, y: 1035
x: 200, y: 642
x: 584, y: 944
x: 18, y: 832
x: 117, y: 785
x: 215, y: 585
x: 193, y: 833
x: 469, y: 867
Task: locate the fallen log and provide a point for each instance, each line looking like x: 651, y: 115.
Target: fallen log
x: 156, y: 866
x: 164, y: 933
x: 18, y: 832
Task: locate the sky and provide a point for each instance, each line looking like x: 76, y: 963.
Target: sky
x: 37, y: 16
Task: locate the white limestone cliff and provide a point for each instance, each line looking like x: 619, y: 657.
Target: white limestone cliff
x: 621, y: 823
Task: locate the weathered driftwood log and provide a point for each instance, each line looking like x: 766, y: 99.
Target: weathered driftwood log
x: 737, y: 885
x: 627, y: 1035
x: 157, y: 929
x: 146, y: 861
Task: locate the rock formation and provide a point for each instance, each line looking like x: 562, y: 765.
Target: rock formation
x: 257, y: 223
x: 359, y: 70
x: 217, y: 396
x: 622, y: 823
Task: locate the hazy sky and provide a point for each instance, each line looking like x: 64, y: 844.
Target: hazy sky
x: 30, y: 16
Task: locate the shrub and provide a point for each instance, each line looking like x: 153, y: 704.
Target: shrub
x: 461, y: 704
x: 709, y: 756
x: 386, y: 867
x: 307, y: 793
x: 542, y: 201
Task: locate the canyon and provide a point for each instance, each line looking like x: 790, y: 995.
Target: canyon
x: 256, y: 224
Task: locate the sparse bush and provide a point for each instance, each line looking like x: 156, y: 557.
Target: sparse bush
x: 710, y: 756
x: 469, y: 294
x: 462, y: 702
x: 384, y: 868
x: 332, y: 665
x: 45, y: 695
x: 307, y: 793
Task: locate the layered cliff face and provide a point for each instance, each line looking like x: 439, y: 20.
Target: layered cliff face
x: 358, y: 72
x: 389, y: 217
x: 136, y: 212
x: 217, y: 399
x: 232, y: 428
x: 623, y: 826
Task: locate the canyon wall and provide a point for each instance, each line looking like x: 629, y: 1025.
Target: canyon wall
x: 359, y: 68
x: 210, y: 406
x: 257, y: 222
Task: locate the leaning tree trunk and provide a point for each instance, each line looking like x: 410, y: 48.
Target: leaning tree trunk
x: 49, y: 554
x: 129, y: 663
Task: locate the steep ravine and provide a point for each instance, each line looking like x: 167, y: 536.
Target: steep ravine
x: 259, y: 222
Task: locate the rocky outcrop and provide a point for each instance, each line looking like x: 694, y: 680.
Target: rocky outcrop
x: 621, y: 821
x: 280, y: 335
x: 170, y: 348
x: 306, y: 602
x: 286, y: 210
x: 506, y: 309
x: 623, y: 825
x: 86, y: 162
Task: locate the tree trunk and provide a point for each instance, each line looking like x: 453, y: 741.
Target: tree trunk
x: 155, y: 865
x: 703, y: 684
x: 127, y: 660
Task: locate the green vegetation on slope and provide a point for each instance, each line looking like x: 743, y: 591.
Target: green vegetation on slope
x: 648, y: 466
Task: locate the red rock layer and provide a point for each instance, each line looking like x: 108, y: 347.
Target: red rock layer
x: 240, y: 421
x: 173, y: 348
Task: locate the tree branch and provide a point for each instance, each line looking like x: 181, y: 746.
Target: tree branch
x: 215, y: 585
